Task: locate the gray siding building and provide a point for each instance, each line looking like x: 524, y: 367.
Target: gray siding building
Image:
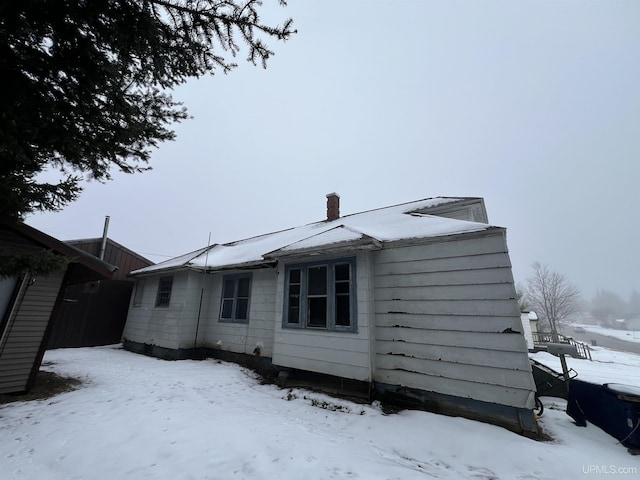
x: 416, y: 301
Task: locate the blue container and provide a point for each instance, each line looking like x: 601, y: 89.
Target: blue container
x: 613, y: 407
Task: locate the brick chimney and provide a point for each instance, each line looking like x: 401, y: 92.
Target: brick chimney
x: 333, y: 206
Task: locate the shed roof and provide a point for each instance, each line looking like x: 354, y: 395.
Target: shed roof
x: 92, y: 246
x: 369, y: 229
x: 18, y: 237
x: 116, y: 254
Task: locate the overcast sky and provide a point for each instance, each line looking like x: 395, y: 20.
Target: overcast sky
x: 534, y: 106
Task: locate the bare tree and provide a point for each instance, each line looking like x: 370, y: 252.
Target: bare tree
x: 551, y: 295
x: 553, y: 298
x: 521, y: 296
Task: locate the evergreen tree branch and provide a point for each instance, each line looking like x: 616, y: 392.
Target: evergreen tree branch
x: 87, y: 85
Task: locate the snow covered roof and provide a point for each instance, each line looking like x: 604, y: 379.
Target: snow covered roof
x: 369, y: 229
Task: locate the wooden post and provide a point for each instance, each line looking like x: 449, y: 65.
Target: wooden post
x: 563, y: 360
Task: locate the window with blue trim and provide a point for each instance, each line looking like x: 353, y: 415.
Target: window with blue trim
x: 321, y: 295
x: 234, y: 305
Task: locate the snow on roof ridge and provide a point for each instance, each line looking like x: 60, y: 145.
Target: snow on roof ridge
x: 242, y: 240
x: 450, y: 200
x: 175, y: 262
x: 323, y: 233
x: 382, y: 224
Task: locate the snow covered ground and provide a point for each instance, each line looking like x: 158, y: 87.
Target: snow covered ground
x: 627, y: 335
x: 608, y: 366
x: 137, y: 417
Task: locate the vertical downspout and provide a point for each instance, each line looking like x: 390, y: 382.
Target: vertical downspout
x: 372, y: 323
x: 204, y: 276
x: 103, y: 246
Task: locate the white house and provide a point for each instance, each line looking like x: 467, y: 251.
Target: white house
x: 529, y: 322
x: 416, y: 300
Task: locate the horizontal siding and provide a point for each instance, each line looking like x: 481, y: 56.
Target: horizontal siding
x: 499, y: 375
x: 22, y: 346
x: 193, y: 286
x: 338, y: 341
x: 458, y: 323
x: 462, y: 249
x: 484, y: 307
x: 325, y: 367
x: 25, y: 332
x: 316, y: 353
x: 242, y: 337
x: 492, y: 291
x: 452, y: 264
x: 152, y: 326
x: 14, y: 361
x: 224, y: 330
x: 13, y: 384
x: 456, y: 354
x: 485, y: 392
x: 478, y: 276
x: 237, y: 338
x: 32, y: 325
x: 12, y: 372
x: 447, y: 321
x: 39, y: 308
x: 161, y: 326
x: 503, y: 342
x: 16, y: 373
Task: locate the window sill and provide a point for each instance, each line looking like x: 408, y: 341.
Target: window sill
x: 318, y: 329
x: 229, y: 320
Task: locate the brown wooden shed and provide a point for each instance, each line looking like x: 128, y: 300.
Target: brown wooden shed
x: 94, y: 313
